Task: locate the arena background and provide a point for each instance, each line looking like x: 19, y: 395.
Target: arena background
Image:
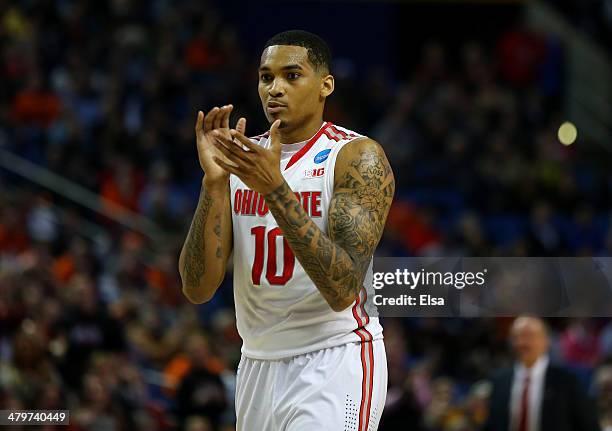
x: 99, y: 178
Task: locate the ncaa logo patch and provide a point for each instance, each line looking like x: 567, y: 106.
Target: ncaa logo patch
x: 322, y: 156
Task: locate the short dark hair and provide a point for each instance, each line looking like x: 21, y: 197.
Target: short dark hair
x: 319, y: 53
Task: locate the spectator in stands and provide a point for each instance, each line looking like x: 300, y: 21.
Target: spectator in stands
x: 535, y: 395
x: 201, y: 391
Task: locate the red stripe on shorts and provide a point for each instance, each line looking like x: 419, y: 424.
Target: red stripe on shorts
x: 367, y: 380
x: 367, y: 359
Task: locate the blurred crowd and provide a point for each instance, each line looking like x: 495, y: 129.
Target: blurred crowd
x: 92, y: 318
x: 593, y: 17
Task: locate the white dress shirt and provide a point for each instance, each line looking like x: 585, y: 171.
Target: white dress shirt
x: 537, y: 375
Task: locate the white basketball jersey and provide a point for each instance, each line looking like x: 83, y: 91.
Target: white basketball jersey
x: 279, y: 310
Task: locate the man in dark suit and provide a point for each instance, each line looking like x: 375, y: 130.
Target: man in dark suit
x: 535, y: 395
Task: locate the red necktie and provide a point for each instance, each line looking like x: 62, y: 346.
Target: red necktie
x: 524, y: 405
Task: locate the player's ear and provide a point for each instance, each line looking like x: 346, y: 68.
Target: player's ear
x: 327, y: 85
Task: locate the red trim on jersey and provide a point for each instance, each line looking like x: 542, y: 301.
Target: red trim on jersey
x: 333, y: 136
x: 297, y: 156
x: 342, y: 134
x: 360, y: 306
x: 355, y: 315
x: 363, y: 310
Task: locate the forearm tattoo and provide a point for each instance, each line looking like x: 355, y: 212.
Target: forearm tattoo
x: 217, y: 230
x: 337, y: 263
x: 195, y: 244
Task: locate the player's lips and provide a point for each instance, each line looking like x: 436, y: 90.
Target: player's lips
x: 274, y: 107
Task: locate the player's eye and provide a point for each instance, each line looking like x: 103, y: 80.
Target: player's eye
x: 293, y: 75
x: 266, y: 77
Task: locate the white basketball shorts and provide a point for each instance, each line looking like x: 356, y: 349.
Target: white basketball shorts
x: 342, y: 388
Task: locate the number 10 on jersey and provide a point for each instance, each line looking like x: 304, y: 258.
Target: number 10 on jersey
x: 267, y: 242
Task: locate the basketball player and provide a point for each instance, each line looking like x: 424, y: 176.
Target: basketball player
x: 302, y: 207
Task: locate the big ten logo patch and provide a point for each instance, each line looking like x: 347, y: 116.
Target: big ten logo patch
x: 314, y: 173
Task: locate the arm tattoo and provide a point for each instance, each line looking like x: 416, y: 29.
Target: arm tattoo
x: 217, y: 230
x: 195, y: 246
x: 337, y: 263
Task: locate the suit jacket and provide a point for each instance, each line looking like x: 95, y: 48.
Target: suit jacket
x: 565, y: 404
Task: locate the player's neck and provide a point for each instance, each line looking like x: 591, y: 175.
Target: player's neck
x: 302, y: 133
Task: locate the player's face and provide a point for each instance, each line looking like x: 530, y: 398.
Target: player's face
x: 290, y: 88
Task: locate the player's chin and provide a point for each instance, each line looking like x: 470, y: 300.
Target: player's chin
x: 278, y: 116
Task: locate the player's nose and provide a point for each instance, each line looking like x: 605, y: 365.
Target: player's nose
x: 275, y: 89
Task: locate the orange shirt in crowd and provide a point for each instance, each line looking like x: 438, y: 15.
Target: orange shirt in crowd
x: 36, y: 106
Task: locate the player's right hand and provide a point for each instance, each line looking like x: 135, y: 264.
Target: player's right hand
x: 216, y: 119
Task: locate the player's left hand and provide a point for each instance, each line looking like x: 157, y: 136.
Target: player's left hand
x: 257, y: 167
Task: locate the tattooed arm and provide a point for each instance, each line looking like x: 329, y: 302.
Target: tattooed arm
x: 208, y: 245
x: 204, y: 256
x: 363, y: 192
